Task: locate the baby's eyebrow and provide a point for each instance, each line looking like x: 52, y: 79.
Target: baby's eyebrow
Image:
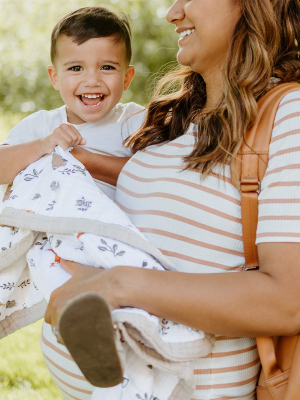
x: 72, y: 62
x: 81, y: 62
x: 110, y: 62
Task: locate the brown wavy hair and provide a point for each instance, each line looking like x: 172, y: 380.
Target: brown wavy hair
x: 263, y: 46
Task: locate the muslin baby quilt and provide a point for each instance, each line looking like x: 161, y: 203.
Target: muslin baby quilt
x: 54, y: 210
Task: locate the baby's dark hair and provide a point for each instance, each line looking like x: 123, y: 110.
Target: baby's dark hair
x: 92, y: 22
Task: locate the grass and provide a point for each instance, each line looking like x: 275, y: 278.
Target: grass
x: 23, y: 374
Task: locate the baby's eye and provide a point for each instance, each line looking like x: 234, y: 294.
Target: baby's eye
x: 107, y: 67
x: 76, y: 68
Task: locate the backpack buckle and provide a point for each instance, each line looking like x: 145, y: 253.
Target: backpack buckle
x: 247, y: 187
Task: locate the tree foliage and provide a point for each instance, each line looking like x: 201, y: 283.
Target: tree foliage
x: 25, y: 31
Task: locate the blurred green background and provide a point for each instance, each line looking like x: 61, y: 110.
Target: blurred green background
x: 25, y: 29
x: 23, y: 374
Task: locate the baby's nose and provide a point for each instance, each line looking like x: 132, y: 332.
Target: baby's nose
x: 92, y: 78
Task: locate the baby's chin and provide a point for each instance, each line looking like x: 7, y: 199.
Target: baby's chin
x: 82, y: 118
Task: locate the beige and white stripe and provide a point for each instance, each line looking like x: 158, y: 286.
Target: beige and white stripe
x: 197, y: 224
x: 63, y: 369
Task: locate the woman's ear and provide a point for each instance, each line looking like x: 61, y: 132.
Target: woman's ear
x: 129, y: 76
x: 53, y: 76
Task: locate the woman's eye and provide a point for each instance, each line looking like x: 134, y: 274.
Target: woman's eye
x: 107, y: 67
x: 76, y: 68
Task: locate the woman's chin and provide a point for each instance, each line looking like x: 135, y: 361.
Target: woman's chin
x: 185, y: 60
x: 182, y: 58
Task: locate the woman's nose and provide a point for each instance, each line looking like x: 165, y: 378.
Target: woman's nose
x: 175, y: 12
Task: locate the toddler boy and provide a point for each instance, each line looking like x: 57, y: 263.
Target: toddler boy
x: 90, y: 54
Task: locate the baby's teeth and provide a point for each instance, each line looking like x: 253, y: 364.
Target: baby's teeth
x: 91, y: 96
x: 96, y: 104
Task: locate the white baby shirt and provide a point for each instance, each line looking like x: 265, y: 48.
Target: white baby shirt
x: 105, y: 136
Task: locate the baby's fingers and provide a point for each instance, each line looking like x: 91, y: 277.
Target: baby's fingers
x: 70, y: 134
x: 76, y: 136
x: 63, y: 143
x: 82, y: 142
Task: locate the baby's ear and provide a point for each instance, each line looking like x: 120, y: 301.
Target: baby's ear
x: 129, y: 76
x: 53, y: 76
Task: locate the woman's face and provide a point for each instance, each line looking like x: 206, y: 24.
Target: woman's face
x: 206, y: 29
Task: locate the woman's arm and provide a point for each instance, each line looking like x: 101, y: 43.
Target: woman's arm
x: 250, y: 304
x: 101, y: 167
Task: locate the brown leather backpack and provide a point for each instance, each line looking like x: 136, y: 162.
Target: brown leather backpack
x: 280, y: 357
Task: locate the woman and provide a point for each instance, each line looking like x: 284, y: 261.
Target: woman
x: 178, y: 191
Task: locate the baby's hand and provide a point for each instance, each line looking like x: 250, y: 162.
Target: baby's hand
x: 64, y: 135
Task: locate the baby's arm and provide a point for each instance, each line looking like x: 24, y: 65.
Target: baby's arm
x: 101, y: 167
x: 14, y: 158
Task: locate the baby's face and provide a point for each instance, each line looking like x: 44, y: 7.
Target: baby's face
x: 91, y: 77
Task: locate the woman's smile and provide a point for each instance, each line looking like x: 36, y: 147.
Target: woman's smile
x: 185, y: 33
x: 211, y: 24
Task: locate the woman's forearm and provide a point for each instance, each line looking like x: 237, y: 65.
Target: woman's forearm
x: 248, y: 304
x: 104, y: 168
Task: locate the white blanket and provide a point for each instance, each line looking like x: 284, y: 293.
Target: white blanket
x: 55, y: 210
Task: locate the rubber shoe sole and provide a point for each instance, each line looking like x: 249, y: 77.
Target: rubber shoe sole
x: 86, y: 329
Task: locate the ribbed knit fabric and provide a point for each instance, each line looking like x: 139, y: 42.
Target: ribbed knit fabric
x: 279, y: 201
x: 62, y: 368
x: 198, y: 225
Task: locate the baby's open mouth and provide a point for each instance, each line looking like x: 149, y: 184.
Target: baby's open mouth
x: 91, y: 99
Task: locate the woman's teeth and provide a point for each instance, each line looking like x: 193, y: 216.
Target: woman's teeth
x: 186, y: 33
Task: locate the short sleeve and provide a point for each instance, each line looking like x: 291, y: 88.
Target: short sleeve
x: 279, y: 200
x: 135, y: 116
x: 30, y: 128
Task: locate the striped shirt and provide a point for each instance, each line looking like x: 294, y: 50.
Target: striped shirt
x: 197, y: 224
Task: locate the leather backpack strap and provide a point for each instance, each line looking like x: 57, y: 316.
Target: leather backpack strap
x: 251, y: 164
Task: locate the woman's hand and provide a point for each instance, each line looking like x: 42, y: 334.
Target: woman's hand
x: 84, y: 279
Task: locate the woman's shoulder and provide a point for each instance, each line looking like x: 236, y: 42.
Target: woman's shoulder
x: 286, y: 128
x: 288, y: 107
x: 279, y: 210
